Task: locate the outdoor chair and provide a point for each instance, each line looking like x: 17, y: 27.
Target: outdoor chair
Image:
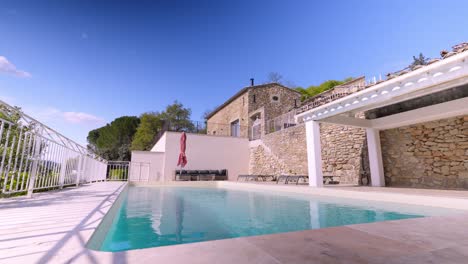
x: 221, y: 176
x: 259, y: 178
x: 267, y: 178
x: 200, y: 175
x: 242, y: 177
x: 292, y: 179
x: 181, y: 175
x: 282, y: 178
x: 205, y: 175
x: 330, y: 178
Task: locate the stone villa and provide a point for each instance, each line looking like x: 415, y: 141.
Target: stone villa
x: 278, y: 145
x: 414, y: 125
x: 250, y: 108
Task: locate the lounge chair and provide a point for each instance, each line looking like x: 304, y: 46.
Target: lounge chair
x: 263, y: 178
x: 292, y: 179
x: 200, y: 175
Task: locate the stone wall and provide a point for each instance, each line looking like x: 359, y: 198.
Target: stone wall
x: 219, y: 123
x: 256, y: 101
x: 280, y: 153
x: 344, y: 153
x: 263, y: 97
x: 428, y: 155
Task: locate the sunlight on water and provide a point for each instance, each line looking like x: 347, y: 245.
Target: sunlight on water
x: 160, y: 216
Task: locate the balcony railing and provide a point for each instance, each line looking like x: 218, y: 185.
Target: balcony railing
x: 204, y: 128
x: 35, y: 157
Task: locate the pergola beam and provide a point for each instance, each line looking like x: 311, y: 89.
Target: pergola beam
x: 448, y: 109
x: 446, y: 74
x: 347, y: 121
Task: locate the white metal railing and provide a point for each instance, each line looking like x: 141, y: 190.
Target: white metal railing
x: 255, y: 131
x: 35, y: 157
x: 281, y: 122
x: 118, y: 170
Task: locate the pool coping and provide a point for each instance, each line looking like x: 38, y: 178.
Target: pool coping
x: 302, y: 244
x: 437, y: 237
x: 391, y: 197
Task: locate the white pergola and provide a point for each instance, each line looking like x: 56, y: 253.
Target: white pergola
x: 439, y: 76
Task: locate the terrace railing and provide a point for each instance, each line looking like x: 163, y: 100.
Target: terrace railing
x: 34, y: 157
x: 117, y: 170
x: 204, y: 128
x: 281, y: 122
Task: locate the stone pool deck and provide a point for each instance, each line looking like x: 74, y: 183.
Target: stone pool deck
x: 54, y: 227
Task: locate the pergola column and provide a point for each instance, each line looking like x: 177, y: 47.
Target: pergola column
x: 314, y: 154
x: 375, y: 157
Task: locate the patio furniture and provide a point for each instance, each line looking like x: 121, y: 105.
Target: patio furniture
x: 270, y: 178
x: 330, y: 179
x: 243, y: 177
x: 222, y: 175
x: 201, y: 175
x: 262, y: 178
x: 292, y: 179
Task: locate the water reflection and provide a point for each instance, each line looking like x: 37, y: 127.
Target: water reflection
x: 152, y: 217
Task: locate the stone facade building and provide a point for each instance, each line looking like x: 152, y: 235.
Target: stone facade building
x: 280, y: 149
x: 284, y: 152
x: 424, y: 155
x: 252, y: 105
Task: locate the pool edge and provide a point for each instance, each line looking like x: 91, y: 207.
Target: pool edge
x: 100, y: 232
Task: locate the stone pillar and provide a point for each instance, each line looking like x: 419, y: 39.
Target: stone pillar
x: 314, y: 154
x: 375, y: 157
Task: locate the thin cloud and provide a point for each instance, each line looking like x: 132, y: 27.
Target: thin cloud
x: 7, y: 99
x: 9, y: 68
x: 80, y: 117
x: 53, y: 114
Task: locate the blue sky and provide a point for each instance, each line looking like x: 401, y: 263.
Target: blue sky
x: 76, y: 65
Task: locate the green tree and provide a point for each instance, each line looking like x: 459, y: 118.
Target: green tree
x: 150, y: 124
x: 113, y: 140
x: 116, y: 140
x: 420, y: 60
x: 325, y: 86
x: 177, y: 117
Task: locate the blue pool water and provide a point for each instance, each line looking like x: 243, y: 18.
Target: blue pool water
x: 161, y: 216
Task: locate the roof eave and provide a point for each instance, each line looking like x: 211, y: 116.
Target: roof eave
x: 440, y: 72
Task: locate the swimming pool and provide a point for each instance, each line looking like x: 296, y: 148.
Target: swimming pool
x: 161, y: 216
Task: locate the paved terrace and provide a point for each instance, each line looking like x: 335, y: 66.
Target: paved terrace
x: 54, y: 227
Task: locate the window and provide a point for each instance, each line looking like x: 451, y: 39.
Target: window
x: 235, y: 128
x: 254, y: 98
x: 275, y: 98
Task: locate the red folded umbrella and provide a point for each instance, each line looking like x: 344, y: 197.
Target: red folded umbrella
x: 182, y: 158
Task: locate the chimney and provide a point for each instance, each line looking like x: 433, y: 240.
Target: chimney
x: 251, y: 81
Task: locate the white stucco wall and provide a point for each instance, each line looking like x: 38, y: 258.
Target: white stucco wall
x: 147, y: 166
x: 160, y: 146
x: 204, y: 152
x: 207, y: 153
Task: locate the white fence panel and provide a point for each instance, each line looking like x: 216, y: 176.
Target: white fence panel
x: 139, y: 172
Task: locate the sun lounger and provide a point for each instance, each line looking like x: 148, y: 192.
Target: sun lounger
x: 201, y: 175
